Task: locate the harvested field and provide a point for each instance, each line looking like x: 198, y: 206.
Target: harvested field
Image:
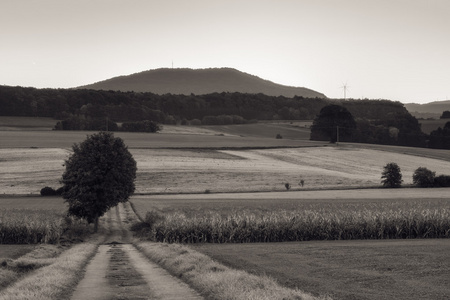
x: 178, y: 171
x: 27, y: 171
x: 65, y: 139
x: 33, y: 202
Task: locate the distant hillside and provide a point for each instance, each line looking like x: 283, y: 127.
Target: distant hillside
x: 199, y: 82
x: 428, y: 110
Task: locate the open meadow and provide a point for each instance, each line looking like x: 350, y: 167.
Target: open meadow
x: 234, y: 185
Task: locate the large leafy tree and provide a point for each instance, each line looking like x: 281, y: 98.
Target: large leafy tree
x: 99, y: 175
x: 333, y: 119
x: 391, y: 176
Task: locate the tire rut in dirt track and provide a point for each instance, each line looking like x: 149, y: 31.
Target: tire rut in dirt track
x: 120, y: 271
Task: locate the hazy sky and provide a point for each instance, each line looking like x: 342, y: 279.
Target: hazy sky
x: 390, y: 49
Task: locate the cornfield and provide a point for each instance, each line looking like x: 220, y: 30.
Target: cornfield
x: 314, y: 222
x: 24, y: 226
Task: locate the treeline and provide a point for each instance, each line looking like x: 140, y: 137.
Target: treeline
x: 99, y: 124
x: 377, y: 121
x: 167, y: 109
x: 368, y: 121
x: 170, y: 109
x: 440, y: 138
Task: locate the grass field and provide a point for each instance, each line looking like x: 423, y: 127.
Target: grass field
x: 363, y: 270
x: 26, y: 123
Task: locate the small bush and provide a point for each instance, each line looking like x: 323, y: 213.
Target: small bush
x: 391, y: 176
x: 48, y: 191
x: 423, y: 177
x: 278, y: 136
x: 145, y: 228
x: 287, y: 186
x: 59, y: 191
x: 442, y: 181
x: 195, y: 122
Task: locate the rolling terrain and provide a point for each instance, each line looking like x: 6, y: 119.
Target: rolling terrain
x: 188, y: 159
x: 428, y: 110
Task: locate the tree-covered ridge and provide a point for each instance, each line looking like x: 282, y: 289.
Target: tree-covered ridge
x: 130, y: 106
x: 377, y: 121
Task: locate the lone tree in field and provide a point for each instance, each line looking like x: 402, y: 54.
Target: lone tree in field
x: 331, y: 121
x: 391, y: 176
x: 99, y: 174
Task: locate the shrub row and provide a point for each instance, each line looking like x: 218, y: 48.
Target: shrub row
x: 297, y: 225
x: 422, y: 177
x: 426, y: 178
x: 79, y: 123
x: 48, y: 191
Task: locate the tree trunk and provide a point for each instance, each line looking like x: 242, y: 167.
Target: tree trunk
x: 96, y: 224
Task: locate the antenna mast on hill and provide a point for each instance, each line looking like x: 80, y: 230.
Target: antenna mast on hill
x: 345, y: 87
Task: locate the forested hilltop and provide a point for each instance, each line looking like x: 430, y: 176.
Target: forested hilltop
x: 87, y: 109
x: 199, y: 81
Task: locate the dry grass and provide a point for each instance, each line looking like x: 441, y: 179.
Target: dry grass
x: 216, y: 281
x: 12, y: 269
x: 54, y: 280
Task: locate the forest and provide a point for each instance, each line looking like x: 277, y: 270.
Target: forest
x: 378, y: 121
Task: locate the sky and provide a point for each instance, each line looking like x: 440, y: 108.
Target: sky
x: 384, y: 49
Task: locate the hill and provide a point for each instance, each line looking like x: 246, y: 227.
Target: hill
x: 199, y: 82
x: 428, y: 110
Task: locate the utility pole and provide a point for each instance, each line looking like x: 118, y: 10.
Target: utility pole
x: 337, y: 135
x: 345, y: 87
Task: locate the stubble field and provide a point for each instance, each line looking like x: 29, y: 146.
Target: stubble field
x: 26, y: 170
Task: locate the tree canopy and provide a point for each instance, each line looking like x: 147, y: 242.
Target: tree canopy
x: 391, y: 176
x: 325, y: 125
x: 99, y: 175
